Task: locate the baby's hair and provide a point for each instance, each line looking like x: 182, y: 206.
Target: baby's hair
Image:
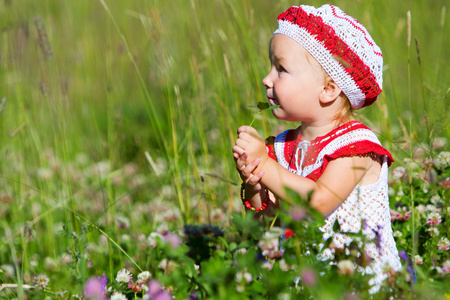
x: 346, y: 111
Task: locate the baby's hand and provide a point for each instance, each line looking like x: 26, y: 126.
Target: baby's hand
x: 245, y: 169
x: 251, y: 143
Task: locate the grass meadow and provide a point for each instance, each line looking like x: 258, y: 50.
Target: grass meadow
x: 117, y: 120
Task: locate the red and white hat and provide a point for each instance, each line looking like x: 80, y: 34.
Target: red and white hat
x: 328, y: 33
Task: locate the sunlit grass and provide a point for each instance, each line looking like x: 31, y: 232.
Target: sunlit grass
x: 92, y: 86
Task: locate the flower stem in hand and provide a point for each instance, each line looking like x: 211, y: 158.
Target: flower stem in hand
x: 262, y: 106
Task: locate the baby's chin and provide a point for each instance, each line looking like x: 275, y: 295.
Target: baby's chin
x: 277, y: 113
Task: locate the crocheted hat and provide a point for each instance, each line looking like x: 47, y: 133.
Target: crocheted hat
x: 341, y: 45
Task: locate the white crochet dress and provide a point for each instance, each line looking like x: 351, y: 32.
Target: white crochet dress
x: 371, y: 203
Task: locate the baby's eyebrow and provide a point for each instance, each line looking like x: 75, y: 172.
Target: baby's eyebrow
x: 277, y: 58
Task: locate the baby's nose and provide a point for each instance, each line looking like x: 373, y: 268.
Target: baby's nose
x: 267, y: 82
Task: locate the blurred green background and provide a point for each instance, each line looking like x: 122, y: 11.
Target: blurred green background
x: 165, y: 85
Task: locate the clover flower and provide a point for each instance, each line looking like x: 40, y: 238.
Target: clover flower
x: 346, y: 267
x: 446, y: 267
x: 401, y: 214
x: 172, y: 239
x: 167, y: 266
x: 243, y: 275
x: 118, y: 296
x: 270, y: 243
x: 268, y: 264
x: 297, y: 213
x: 309, y: 277
x: 155, y: 291
x: 242, y: 251
x: 41, y: 281
x: 434, y: 219
x: 397, y: 234
x: 421, y: 208
x: 123, y: 276
x: 217, y: 214
x: 443, y: 244
x: 153, y: 239
x: 94, y: 288
x: 398, y: 173
x: 144, y: 277
x: 122, y: 222
x: 418, y: 260
x: 135, y: 286
x: 442, y: 161
x: 433, y: 231
x: 445, y: 183
x: 435, y: 199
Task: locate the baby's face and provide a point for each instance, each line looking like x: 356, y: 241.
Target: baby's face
x: 295, y: 80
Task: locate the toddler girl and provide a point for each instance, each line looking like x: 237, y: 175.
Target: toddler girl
x: 324, y: 64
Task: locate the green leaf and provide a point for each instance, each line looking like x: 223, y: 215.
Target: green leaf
x: 263, y: 105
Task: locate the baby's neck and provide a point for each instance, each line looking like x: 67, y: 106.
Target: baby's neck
x: 310, y: 131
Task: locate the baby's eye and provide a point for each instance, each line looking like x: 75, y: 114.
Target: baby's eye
x: 281, y: 69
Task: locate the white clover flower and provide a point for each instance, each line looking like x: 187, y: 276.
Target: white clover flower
x: 435, y: 199
x: 446, y: 267
x: 217, y: 214
x: 397, y: 234
x: 284, y: 266
x: 431, y: 207
x: 443, y: 244
x: 153, y: 239
x: 442, y: 161
x: 346, y: 267
x: 434, y: 219
x: 167, y: 265
x: 243, y: 276
x: 144, y: 277
x: 398, y: 173
x: 418, y: 260
x: 240, y: 288
x: 421, y: 208
x: 123, y: 276
x: 241, y: 251
x: 122, y: 222
x: 162, y: 229
x: 268, y: 264
x: 41, y: 281
x: 433, y: 231
x: 118, y: 296
x: 248, y: 277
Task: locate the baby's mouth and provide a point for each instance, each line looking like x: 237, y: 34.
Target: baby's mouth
x: 273, y: 101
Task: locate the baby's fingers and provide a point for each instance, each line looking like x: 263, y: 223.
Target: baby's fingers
x: 240, y: 161
x: 247, y: 171
x: 255, y: 179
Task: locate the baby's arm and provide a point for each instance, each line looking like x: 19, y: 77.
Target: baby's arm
x: 334, y: 185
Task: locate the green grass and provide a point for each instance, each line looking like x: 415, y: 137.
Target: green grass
x: 108, y: 81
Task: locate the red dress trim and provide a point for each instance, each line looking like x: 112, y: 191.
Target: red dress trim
x: 362, y: 147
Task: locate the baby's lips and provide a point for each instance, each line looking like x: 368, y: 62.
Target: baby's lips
x: 272, y: 101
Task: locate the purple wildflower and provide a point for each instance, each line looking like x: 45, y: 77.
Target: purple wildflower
x: 403, y: 255
x: 94, y: 289
x: 410, y: 267
x: 379, y: 235
x: 156, y: 292
x: 172, y: 239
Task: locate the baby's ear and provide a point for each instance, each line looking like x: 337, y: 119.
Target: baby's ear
x: 330, y: 91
